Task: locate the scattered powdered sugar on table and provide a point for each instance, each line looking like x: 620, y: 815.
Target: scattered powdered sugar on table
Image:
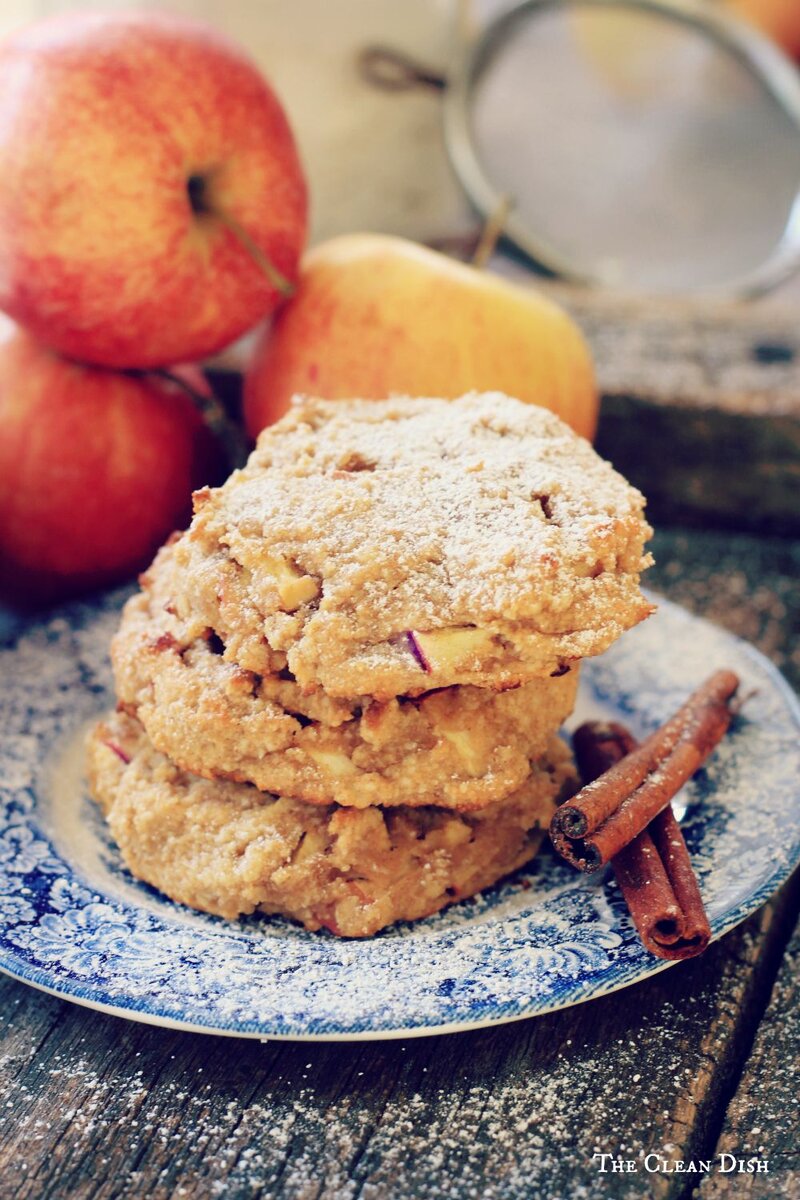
x: 389, y: 1129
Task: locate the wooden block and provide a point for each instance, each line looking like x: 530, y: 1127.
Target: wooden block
x: 701, y: 407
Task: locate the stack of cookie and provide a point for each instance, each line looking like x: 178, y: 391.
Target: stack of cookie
x: 340, y: 690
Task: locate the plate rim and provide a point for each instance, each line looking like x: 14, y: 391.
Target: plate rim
x: 71, y: 990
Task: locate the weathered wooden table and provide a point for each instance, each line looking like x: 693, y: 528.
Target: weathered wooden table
x: 702, y: 1059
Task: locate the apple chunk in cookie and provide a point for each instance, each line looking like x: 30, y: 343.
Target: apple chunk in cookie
x: 475, y: 541
x: 452, y: 650
x: 294, y: 588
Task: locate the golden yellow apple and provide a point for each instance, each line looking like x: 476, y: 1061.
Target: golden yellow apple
x: 375, y: 315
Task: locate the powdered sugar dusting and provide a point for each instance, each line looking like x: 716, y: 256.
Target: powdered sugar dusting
x: 479, y: 512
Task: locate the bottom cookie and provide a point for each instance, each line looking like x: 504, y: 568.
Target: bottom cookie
x: 227, y: 848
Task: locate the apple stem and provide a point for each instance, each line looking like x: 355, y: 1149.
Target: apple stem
x: 490, y: 234
x: 216, y: 418
x: 276, y: 279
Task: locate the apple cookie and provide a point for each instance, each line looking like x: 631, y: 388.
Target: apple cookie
x: 458, y: 747
x: 388, y: 548
x: 229, y: 849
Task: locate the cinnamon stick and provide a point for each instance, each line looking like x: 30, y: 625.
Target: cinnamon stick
x: 654, y: 871
x: 669, y: 842
x: 613, y: 809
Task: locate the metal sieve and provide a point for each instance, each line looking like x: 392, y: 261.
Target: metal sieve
x: 640, y: 145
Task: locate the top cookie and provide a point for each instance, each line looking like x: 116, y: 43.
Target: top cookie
x: 391, y: 547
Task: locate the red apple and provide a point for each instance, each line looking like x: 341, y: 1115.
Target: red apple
x: 96, y: 470
x: 152, y: 203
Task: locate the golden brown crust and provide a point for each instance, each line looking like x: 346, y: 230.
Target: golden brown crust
x: 227, y: 848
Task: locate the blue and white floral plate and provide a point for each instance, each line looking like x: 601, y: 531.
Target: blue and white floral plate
x: 74, y: 922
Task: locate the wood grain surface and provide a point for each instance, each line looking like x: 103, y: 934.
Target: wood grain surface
x: 767, y: 1100
x: 692, y: 1061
